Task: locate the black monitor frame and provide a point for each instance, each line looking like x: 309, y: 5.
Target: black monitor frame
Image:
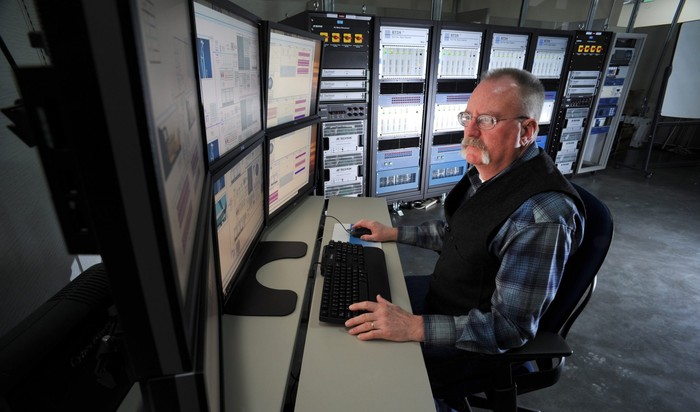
x: 268, y: 27
x: 227, y: 8
x: 244, y: 295
x: 100, y: 146
x: 255, y: 239
x: 561, y: 34
x: 314, y: 172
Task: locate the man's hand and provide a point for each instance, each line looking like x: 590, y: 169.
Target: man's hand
x: 384, y: 320
x: 380, y: 232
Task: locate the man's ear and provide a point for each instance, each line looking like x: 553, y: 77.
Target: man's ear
x: 527, y: 134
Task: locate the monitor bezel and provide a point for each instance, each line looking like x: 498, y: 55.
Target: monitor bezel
x: 227, y: 290
x: 536, y: 35
x: 236, y: 12
x: 554, y: 107
x: 267, y: 27
x: 309, y: 188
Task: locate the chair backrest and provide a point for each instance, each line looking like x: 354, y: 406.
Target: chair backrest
x: 579, y: 276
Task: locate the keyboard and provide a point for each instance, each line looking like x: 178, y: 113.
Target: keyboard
x: 351, y: 273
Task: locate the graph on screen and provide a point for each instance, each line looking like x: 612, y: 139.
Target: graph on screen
x: 292, y: 81
x: 550, y: 55
x: 229, y: 72
x: 239, y: 211
x: 508, y: 50
x: 292, y: 162
x: 459, y: 56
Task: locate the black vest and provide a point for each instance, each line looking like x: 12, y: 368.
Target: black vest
x: 465, y: 274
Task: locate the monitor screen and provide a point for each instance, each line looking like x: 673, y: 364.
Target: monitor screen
x: 508, y: 50
x: 291, y: 167
x: 170, y: 95
x: 447, y: 107
x: 293, y: 67
x: 550, y: 55
x: 541, y: 141
x: 548, y: 108
x: 460, y: 54
x: 239, y: 211
x: 228, y: 57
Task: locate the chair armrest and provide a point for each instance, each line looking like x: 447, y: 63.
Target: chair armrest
x: 544, y: 345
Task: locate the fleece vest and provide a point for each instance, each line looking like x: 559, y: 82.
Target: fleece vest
x: 465, y: 273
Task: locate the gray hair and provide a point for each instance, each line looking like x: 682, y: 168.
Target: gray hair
x: 531, y: 89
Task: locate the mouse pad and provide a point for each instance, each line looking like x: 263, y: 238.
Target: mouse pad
x: 341, y: 235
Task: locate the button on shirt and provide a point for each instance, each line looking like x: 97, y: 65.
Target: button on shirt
x: 532, y: 245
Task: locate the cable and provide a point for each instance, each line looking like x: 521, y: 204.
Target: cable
x: 427, y: 204
x: 341, y: 223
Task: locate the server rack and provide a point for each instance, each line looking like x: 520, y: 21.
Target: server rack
x: 619, y: 71
x: 344, y: 97
x: 455, y: 69
x: 400, y: 91
x: 547, y: 60
x: 584, y: 75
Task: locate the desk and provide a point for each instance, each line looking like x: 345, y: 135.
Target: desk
x: 257, y: 351
x: 340, y: 372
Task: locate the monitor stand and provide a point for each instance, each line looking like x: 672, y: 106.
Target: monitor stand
x: 250, y: 298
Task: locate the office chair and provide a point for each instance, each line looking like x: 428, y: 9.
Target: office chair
x: 539, y: 363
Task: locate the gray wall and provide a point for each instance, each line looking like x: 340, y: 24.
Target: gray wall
x: 33, y: 256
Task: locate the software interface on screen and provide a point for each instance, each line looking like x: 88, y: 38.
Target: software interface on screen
x: 239, y: 211
x: 508, y: 50
x: 291, y: 84
x: 229, y: 74
x: 550, y: 55
x: 170, y: 87
x: 459, y: 56
x: 292, y: 159
x: 547, y: 108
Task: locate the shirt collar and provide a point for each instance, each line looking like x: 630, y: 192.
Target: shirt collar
x: 531, y: 151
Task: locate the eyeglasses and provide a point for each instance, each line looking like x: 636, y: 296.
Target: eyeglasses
x: 485, y: 121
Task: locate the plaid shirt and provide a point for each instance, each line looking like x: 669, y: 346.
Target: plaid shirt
x: 532, y: 245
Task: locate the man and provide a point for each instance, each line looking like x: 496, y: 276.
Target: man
x: 511, y: 224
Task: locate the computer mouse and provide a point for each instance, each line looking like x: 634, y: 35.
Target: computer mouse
x: 359, y: 231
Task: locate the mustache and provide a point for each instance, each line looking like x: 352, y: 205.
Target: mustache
x: 470, y: 141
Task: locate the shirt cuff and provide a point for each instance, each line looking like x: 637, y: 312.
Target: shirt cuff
x: 407, y: 235
x: 439, y: 330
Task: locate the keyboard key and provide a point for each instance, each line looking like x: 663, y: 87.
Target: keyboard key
x: 351, y: 274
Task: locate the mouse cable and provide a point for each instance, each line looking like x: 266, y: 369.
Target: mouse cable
x: 341, y: 223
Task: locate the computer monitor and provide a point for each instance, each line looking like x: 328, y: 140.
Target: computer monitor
x: 238, y: 203
x: 547, y: 108
x: 228, y: 58
x: 508, y: 50
x: 550, y: 56
x: 293, y: 62
x: 291, y: 166
x: 460, y: 54
x: 131, y: 170
x: 238, y: 199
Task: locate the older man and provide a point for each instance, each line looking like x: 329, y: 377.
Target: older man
x: 511, y: 224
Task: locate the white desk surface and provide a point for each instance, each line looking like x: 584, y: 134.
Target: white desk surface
x: 340, y: 372
x: 257, y: 351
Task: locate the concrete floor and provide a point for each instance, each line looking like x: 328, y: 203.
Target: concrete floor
x: 637, y: 344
